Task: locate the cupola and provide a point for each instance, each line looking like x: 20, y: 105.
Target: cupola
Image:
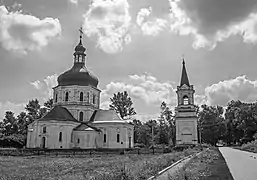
x: 78, y: 74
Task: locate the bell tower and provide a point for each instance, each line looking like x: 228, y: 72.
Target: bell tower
x: 186, y: 118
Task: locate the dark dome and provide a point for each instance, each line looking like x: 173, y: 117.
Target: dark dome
x: 77, y: 75
x: 80, y: 48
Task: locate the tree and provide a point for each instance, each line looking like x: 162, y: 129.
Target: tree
x: 167, y: 128
x: 122, y: 104
x: 211, y: 123
x: 9, y: 124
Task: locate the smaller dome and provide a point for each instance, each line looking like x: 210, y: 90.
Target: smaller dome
x: 80, y: 47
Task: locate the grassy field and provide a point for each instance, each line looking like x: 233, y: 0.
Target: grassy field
x: 210, y: 165
x: 104, y: 167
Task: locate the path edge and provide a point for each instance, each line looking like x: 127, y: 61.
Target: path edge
x: 174, y: 164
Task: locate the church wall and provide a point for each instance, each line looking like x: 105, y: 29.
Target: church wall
x: 53, y: 128
x: 74, y: 105
x: 86, y: 139
x: 111, y: 131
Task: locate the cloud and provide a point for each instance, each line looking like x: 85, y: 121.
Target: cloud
x: 11, y: 106
x: 239, y: 88
x: 141, y: 87
x: 209, y: 22
x: 108, y: 21
x: 45, y: 86
x: 153, y: 26
x: 22, y: 32
x: 73, y: 1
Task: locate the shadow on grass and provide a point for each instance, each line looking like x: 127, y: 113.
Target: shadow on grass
x: 210, y: 165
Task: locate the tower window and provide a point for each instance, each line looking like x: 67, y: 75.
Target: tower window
x: 81, y: 96
x: 93, y: 99
x: 66, y: 96
x: 56, y: 96
x: 118, y: 138
x: 81, y: 116
x: 104, y: 138
x: 185, y: 100
x: 60, y: 136
x: 88, y: 97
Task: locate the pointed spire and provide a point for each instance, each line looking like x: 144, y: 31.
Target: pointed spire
x: 184, y: 77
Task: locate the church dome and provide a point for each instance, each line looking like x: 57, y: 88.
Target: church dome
x: 78, y: 74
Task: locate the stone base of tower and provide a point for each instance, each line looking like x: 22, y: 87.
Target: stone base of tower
x: 186, y: 128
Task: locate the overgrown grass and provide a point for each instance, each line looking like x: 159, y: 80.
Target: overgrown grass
x: 251, y: 147
x: 104, y: 167
x: 210, y: 165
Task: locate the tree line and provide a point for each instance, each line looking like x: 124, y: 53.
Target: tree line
x: 236, y: 124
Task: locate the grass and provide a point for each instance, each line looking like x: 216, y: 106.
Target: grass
x: 250, y: 147
x: 210, y: 165
x: 103, y: 167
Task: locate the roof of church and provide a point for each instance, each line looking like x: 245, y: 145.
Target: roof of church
x: 105, y: 116
x: 86, y: 127
x: 58, y: 113
x: 184, y: 77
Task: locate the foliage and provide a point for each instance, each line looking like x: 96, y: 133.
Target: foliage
x: 211, y: 124
x: 13, y: 130
x: 122, y: 104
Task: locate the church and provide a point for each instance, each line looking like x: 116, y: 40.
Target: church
x: 185, y: 117
x: 76, y: 121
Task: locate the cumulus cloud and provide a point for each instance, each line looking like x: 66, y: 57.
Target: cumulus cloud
x: 108, y: 21
x: 22, y: 32
x: 10, y: 106
x: 149, y: 25
x: 239, y: 88
x: 45, y: 86
x: 209, y: 22
x: 143, y: 87
x: 73, y: 1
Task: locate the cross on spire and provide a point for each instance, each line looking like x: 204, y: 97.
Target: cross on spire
x: 81, y: 31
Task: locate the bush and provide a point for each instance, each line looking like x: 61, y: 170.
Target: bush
x: 15, y: 140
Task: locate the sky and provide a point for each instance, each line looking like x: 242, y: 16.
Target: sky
x: 132, y: 45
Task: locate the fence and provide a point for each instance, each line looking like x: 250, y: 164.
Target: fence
x: 74, y: 152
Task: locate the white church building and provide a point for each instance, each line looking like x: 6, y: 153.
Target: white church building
x: 76, y: 121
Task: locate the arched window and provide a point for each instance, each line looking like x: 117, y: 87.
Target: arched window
x: 81, y: 116
x: 56, y: 96
x: 81, y: 96
x: 44, y: 129
x: 78, y: 141
x: 93, y: 99
x: 104, y: 138
x: 60, y: 136
x: 66, y: 96
x: 118, y: 138
x: 185, y: 100
x: 88, y: 97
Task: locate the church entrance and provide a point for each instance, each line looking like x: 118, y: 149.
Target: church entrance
x: 43, y: 142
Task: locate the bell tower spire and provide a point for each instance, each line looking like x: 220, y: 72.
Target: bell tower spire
x: 79, y: 54
x: 184, y: 77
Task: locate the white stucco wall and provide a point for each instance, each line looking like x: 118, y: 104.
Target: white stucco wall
x: 74, y: 105
x: 186, y: 125
x: 111, y: 130
x: 87, y: 139
x: 53, y: 128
